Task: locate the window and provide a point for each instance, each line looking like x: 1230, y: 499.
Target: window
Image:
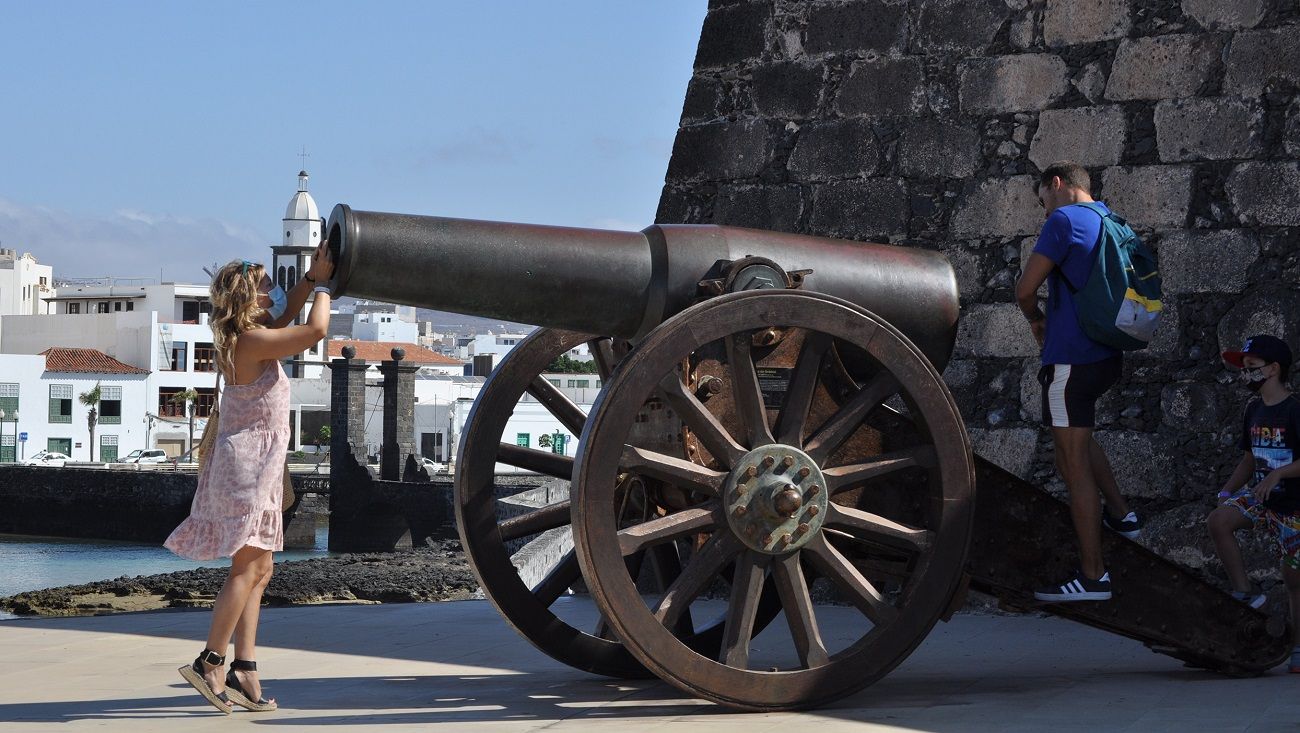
x: 205, y: 357
x: 110, y: 405
x: 130, y: 305
x: 8, y: 449
x: 166, y: 406
x: 205, y: 307
x: 522, y: 439
x: 292, y: 279
x: 555, y: 382
x: 9, y: 399
x: 59, y: 445
x: 203, y: 405
x: 580, y: 383
x: 61, y: 403
x: 74, y: 307
x: 279, y: 278
x: 178, y: 357
x: 108, y: 448
x: 117, y: 306
x: 190, y: 311
x: 101, y: 306
x: 431, y: 446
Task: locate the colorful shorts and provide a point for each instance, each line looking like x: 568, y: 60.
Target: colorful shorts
x: 1285, y: 528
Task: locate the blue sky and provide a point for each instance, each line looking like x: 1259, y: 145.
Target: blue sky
x: 141, y: 136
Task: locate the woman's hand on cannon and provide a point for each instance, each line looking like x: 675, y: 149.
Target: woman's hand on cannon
x: 322, y: 264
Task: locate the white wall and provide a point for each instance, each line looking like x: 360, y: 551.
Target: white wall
x: 21, y: 286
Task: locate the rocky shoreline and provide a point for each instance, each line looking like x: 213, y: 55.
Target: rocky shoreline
x: 438, y: 572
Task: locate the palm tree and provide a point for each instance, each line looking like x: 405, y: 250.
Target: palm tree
x: 91, y: 399
x: 187, y: 397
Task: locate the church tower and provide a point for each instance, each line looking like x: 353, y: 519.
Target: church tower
x: 291, y: 258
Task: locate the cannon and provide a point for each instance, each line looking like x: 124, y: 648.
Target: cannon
x: 772, y: 430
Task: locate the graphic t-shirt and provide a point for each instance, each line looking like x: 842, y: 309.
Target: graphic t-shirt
x: 1272, y: 434
x: 1068, y: 238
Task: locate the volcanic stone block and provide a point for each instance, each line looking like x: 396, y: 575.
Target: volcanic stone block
x: 1162, y: 67
x: 777, y: 208
x: 1031, y: 392
x: 1028, y: 81
x: 1013, y: 449
x: 883, y: 88
x: 994, y: 330
x: 1193, y: 261
x: 866, y: 25
x: 1150, y: 197
x: 1090, y: 136
x: 860, y: 209
x: 721, y: 150
x: 1258, y: 58
x: 958, y: 25
x: 970, y: 271
x: 1192, y: 406
x: 1291, y: 138
x: 934, y: 149
x: 1143, y: 466
x: 787, y: 90
x: 1167, y: 340
x: 999, y: 207
x: 1067, y: 22
x: 834, y: 149
x: 733, y: 34
x: 705, y: 98
x: 1271, y: 312
x: 1213, y: 129
x: 1219, y: 15
x: 1266, y: 194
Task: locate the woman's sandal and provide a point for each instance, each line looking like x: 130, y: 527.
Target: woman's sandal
x: 193, y: 674
x: 237, y: 692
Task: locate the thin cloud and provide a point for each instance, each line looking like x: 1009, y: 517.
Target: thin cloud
x: 128, y: 243
x: 475, y: 147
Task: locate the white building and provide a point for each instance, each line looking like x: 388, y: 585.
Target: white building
x: 40, y: 396
x: 290, y: 260
x: 24, y: 283
x: 377, y: 326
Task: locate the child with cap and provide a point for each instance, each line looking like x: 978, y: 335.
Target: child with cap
x: 1264, y: 489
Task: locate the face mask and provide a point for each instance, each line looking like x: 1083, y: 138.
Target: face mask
x: 1254, y: 378
x: 279, y: 301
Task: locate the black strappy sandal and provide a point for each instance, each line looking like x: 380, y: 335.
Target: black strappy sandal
x: 193, y: 674
x: 237, y: 692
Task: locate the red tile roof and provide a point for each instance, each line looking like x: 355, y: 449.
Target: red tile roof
x: 377, y: 351
x: 92, y: 361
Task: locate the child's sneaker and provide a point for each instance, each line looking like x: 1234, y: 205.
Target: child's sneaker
x: 1252, y: 598
x: 1130, y: 526
x: 1078, y: 588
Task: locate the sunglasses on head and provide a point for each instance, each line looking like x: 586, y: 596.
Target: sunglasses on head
x: 244, y: 265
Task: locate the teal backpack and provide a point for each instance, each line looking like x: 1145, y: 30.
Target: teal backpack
x: 1119, y: 305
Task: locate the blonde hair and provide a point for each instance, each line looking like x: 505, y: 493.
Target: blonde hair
x: 234, y: 309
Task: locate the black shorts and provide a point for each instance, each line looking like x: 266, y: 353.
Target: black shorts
x: 1071, y: 391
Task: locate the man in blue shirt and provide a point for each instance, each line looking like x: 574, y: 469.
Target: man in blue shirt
x: 1076, y: 372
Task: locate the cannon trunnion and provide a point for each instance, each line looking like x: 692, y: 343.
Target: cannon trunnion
x: 772, y: 428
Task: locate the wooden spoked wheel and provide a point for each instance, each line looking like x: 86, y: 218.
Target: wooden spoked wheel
x: 488, y: 539
x: 828, y: 457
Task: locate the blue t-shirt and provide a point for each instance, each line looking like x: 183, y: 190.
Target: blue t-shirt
x: 1068, y: 238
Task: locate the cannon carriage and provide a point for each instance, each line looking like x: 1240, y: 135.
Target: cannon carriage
x: 772, y: 430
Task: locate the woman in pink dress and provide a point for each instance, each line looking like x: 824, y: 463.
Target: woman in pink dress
x: 236, y: 509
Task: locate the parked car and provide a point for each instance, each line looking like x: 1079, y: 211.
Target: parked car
x: 433, y: 466
x: 153, y: 455
x: 47, y: 458
x: 130, y: 457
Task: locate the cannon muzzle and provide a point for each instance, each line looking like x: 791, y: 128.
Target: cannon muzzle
x: 622, y: 283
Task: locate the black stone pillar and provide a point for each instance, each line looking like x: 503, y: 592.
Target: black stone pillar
x: 399, y: 416
x: 347, y: 408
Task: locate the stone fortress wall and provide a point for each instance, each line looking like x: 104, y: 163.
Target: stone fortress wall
x: 925, y: 122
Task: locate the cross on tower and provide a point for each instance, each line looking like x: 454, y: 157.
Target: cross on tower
x: 304, y: 157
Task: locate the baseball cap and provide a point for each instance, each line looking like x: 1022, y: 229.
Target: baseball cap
x: 1263, y: 346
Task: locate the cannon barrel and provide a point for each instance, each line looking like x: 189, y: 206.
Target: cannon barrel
x: 621, y: 283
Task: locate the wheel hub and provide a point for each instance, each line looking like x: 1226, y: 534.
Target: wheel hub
x: 776, y: 499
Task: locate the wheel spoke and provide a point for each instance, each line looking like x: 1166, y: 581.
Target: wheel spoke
x: 536, y: 522
x: 559, y: 405
x: 840, y: 478
x: 668, y: 565
x: 790, y: 424
x: 746, y: 587
x: 562, y: 576
x: 875, y: 528
x: 676, y: 471
x: 797, y: 602
x: 664, y: 529
x: 861, y: 593
x: 538, y: 461
x: 712, y: 435
x: 746, y: 390
x: 847, y: 419
x: 602, y: 352
x: 699, y: 572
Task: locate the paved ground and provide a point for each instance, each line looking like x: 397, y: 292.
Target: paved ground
x: 456, y: 665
